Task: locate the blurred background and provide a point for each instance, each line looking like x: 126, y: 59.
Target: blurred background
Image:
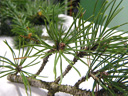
x: 88, y: 5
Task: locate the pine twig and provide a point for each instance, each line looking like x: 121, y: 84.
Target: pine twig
x: 66, y: 70
x: 80, y: 54
x: 45, y: 60
x: 80, y: 81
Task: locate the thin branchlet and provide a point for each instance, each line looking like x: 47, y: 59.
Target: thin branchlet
x: 69, y: 67
x: 45, y: 60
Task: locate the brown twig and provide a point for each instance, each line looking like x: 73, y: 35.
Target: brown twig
x: 94, y: 77
x: 66, y: 70
x: 45, y: 60
x: 80, y: 54
x: 29, y: 37
x: 80, y: 81
x: 64, y: 73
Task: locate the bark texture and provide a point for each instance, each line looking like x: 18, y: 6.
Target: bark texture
x: 54, y: 87
x: 51, y: 86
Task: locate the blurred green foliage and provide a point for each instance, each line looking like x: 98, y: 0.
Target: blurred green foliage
x: 22, y: 17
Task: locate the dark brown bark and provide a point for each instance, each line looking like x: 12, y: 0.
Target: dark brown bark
x: 79, y: 82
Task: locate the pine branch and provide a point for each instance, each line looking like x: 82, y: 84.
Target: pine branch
x: 53, y: 87
x: 50, y: 86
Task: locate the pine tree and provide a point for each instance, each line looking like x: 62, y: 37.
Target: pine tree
x: 104, y: 48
